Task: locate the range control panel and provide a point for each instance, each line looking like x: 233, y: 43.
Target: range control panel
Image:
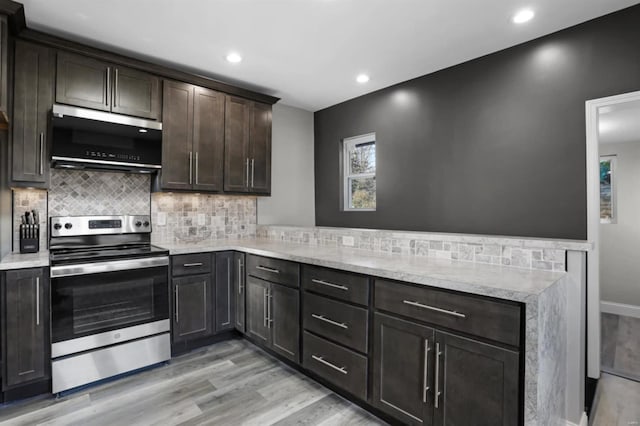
x: 68, y: 226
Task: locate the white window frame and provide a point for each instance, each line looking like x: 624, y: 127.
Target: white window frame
x: 347, y: 145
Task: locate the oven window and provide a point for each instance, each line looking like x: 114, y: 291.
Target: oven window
x: 90, y: 304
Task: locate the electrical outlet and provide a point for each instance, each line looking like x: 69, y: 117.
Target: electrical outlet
x: 348, y: 241
x: 201, y: 219
x: 162, y: 219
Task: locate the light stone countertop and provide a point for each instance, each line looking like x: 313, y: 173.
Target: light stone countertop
x: 521, y: 285
x: 27, y: 260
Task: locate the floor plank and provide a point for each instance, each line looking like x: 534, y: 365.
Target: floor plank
x: 229, y: 383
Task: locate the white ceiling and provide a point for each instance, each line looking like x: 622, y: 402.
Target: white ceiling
x: 308, y: 52
x: 619, y: 123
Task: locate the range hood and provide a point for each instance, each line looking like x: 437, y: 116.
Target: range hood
x: 97, y: 140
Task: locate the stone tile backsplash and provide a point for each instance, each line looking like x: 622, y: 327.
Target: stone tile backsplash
x: 80, y: 192
x: 512, y: 252
x: 27, y: 200
x: 188, y: 218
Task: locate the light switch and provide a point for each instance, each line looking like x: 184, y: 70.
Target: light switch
x: 348, y: 241
x: 162, y: 219
x: 201, y: 219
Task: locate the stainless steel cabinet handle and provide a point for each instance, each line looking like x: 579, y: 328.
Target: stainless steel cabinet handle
x: 269, y: 307
x: 253, y: 169
x: 239, y: 276
x: 176, y: 305
x: 41, y: 153
x: 436, y: 397
x: 37, y: 300
x: 247, y: 166
x: 328, y: 284
x: 108, y: 88
x: 115, y: 91
x: 196, y: 167
x: 330, y: 321
x: 425, y: 377
x: 191, y: 265
x: 321, y: 360
x: 433, y: 308
x: 266, y: 309
x: 264, y: 268
x: 190, y: 167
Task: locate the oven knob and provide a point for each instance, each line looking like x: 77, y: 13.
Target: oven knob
x: 57, y: 226
x: 138, y: 224
x: 146, y: 224
x: 68, y: 226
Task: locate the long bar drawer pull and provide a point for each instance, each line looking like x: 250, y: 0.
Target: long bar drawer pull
x: 330, y: 321
x: 191, y: 265
x: 425, y: 378
x: 321, y: 360
x: 328, y: 284
x: 433, y: 308
x: 436, y: 397
x: 264, y: 268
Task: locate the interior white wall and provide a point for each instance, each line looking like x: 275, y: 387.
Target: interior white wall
x: 292, y: 200
x: 620, y: 242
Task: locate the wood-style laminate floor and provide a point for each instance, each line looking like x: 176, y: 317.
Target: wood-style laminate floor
x: 229, y: 383
x: 621, y: 345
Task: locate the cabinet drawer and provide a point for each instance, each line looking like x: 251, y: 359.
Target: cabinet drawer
x: 341, y: 285
x: 191, y: 264
x: 337, y: 321
x: 274, y: 270
x: 498, y: 321
x: 340, y: 366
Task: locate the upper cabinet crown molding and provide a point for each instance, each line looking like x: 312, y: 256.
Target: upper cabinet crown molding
x: 136, y: 64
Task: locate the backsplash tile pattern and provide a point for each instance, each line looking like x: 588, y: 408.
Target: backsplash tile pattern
x: 27, y: 200
x: 491, y: 250
x: 188, y: 218
x: 80, y: 192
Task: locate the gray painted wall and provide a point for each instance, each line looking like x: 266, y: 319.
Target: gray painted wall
x: 620, y: 241
x: 292, y: 199
x: 492, y: 146
x: 5, y: 199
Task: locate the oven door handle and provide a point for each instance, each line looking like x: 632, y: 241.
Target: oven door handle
x: 112, y: 266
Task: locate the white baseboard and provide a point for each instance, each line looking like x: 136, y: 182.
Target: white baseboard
x: 584, y: 421
x: 620, y: 309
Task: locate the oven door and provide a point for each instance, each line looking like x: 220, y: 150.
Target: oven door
x: 96, y: 298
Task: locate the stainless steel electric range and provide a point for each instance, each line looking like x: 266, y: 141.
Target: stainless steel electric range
x: 109, y: 298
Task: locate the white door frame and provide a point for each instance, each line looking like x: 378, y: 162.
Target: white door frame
x: 593, y: 226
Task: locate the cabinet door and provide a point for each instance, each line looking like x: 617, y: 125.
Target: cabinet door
x: 192, y: 307
x: 84, y: 82
x: 225, y: 297
x: 402, y: 369
x: 257, y: 299
x: 260, y: 151
x: 4, y: 71
x: 208, y: 139
x: 26, y: 322
x: 135, y: 93
x: 33, y: 98
x: 284, y: 319
x: 239, y: 291
x: 177, y: 136
x: 477, y: 382
x: 236, y: 144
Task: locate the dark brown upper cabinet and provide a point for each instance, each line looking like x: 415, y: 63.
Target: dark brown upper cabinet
x: 90, y: 83
x: 247, y: 158
x: 4, y: 76
x: 192, y: 138
x: 32, y: 101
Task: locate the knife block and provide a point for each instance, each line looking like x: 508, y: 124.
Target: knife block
x: 29, y: 238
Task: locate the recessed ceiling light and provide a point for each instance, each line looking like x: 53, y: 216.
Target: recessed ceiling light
x: 522, y: 16
x: 362, y: 78
x: 234, y: 58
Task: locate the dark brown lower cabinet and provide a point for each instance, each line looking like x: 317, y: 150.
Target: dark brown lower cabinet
x: 428, y: 377
x: 239, y: 291
x: 26, y: 338
x: 224, y: 296
x: 273, y: 316
x: 192, y: 307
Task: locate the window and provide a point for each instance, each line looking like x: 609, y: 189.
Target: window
x: 607, y: 189
x: 359, y: 179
